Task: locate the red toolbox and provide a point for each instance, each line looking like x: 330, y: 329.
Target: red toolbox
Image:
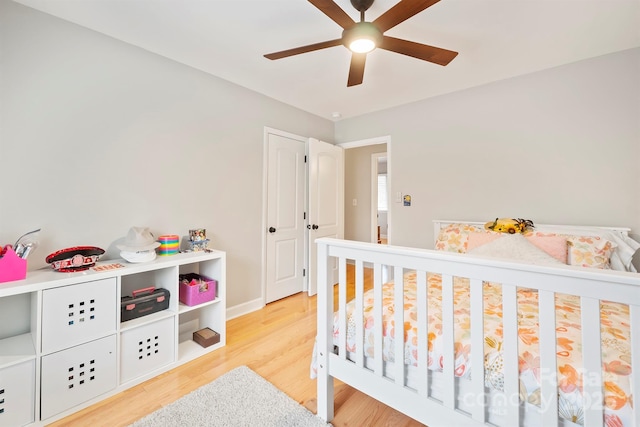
x: 142, y: 302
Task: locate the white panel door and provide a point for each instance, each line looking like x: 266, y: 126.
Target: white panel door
x: 285, y: 217
x: 326, y: 200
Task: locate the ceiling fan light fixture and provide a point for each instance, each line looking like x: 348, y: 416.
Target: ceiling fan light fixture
x: 362, y: 45
x: 362, y: 37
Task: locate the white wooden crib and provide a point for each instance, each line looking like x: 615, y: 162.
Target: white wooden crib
x: 412, y: 390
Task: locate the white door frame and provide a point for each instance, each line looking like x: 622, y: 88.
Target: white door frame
x: 265, y: 171
x: 375, y: 141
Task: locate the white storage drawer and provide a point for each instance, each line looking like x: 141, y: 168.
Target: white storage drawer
x: 146, y: 348
x: 75, y: 314
x: 17, y: 394
x: 78, y: 374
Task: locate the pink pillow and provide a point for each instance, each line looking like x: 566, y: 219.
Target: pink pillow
x: 556, y: 246
x: 480, y: 238
x: 553, y: 245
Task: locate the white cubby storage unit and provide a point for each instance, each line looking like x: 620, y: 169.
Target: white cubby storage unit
x: 63, y: 346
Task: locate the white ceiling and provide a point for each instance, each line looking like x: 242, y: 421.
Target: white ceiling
x: 496, y: 39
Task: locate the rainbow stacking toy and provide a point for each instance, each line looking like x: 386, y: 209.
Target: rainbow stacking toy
x: 169, y: 244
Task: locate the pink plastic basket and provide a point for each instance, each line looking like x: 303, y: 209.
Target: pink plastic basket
x: 196, y: 289
x: 12, y: 267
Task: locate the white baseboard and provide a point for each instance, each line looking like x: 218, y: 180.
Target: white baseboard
x: 244, y: 308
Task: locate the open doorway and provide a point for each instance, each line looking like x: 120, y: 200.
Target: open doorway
x: 361, y: 182
x: 379, y: 198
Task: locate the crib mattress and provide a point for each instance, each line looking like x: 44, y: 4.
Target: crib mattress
x: 615, y: 336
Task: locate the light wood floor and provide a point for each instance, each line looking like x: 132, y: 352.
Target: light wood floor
x: 276, y: 342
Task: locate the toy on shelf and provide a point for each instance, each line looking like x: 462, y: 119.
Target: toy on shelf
x: 169, y: 244
x: 198, y: 239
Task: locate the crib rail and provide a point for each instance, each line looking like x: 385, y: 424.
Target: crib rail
x: 591, y: 286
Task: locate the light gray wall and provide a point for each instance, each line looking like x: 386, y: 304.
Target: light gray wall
x: 357, y: 185
x: 558, y: 146
x: 97, y: 136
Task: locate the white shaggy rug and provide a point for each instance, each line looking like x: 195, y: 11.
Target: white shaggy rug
x: 238, y: 398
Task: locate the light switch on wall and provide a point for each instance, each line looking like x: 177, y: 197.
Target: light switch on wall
x: 399, y: 197
x: 355, y: 202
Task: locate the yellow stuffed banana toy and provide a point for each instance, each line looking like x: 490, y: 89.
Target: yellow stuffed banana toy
x: 509, y: 225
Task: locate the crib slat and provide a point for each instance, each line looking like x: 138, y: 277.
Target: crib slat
x: 359, y: 314
x: 634, y: 321
x: 398, y: 314
x: 548, y: 361
x: 378, y: 365
x: 510, y: 353
x: 448, y: 389
x: 325, y: 331
x: 342, y: 309
x: 592, y: 361
x: 423, y: 344
x: 477, y: 348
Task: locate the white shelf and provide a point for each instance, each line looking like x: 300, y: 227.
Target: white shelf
x: 47, y: 278
x: 26, y: 301
x: 189, y: 350
x: 186, y: 308
x: 16, y: 350
x: 145, y: 320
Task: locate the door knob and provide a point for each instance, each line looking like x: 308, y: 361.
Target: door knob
x: 315, y: 227
x: 272, y: 230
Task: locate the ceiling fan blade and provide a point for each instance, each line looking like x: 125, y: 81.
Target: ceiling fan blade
x: 303, y: 49
x: 333, y: 11
x: 402, y: 11
x: 433, y: 54
x: 356, y: 70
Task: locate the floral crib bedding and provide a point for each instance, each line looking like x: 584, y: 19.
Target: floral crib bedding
x: 615, y: 336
